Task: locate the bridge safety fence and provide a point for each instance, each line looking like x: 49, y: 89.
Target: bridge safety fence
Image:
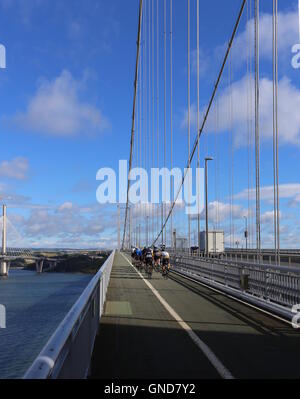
x: 68, y: 353
x: 277, y: 286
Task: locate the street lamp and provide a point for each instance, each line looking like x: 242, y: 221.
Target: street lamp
x: 246, y: 231
x: 147, y: 230
x: 129, y: 221
x: 207, y: 159
x: 119, y: 226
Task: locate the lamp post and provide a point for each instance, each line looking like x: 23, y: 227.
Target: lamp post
x: 206, y: 203
x: 119, y: 226
x: 147, y: 231
x: 129, y: 227
x: 246, y: 231
x: 139, y: 245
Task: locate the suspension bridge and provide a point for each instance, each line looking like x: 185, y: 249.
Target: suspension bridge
x: 42, y: 262
x: 225, y: 312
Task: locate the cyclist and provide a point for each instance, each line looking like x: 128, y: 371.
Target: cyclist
x: 149, y: 261
x: 157, y: 258
x: 138, y: 258
x: 138, y: 254
x: 133, y: 256
x: 165, y: 259
x: 143, y: 254
x: 133, y: 252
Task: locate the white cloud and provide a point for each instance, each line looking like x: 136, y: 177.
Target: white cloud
x: 204, y: 64
x: 2, y: 187
x: 220, y: 212
x: 289, y: 94
x: 66, y: 225
x: 288, y: 35
x: 286, y: 191
x: 268, y: 217
x: 15, y: 169
x: 67, y: 206
x: 57, y: 110
x: 66, y: 222
x: 193, y: 118
x: 288, y: 111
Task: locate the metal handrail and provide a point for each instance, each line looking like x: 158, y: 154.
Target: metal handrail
x: 265, y: 266
x: 280, y: 285
x: 264, y: 251
x: 51, y: 360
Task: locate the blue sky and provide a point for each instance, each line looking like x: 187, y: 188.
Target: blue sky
x: 66, y: 104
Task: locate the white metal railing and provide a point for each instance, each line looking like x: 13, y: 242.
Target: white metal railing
x: 265, y: 251
x: 68, y: 353
x: 289, y: 258
x: 273, y: 284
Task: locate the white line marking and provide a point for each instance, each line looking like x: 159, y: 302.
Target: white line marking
x: 195, y: 280
x: 218, y: 365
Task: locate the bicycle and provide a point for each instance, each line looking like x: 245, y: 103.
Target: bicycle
x: 165, y: 270
x: 149, y: 269
x: 157, y: 265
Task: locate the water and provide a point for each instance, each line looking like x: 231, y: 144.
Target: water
x: 35, y: 305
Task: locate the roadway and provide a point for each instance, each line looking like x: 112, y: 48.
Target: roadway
x: 177, y: 328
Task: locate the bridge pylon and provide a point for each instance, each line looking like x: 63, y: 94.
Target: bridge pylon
x: 4, y: 268
x: 39, y: 264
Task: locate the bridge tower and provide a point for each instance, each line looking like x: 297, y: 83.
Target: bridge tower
x: 4, y: 267
x: 39, y: 263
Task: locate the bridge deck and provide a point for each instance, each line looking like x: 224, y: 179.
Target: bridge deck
x: 139, y: 338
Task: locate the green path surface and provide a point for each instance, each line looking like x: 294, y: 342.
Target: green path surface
x: 138, y: 338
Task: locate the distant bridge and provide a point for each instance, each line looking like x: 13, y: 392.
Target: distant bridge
x: 13, y: 254
x: 40, y: 260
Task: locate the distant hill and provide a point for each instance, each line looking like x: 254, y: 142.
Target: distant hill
x: 73, y: 263
x: 81, y: 264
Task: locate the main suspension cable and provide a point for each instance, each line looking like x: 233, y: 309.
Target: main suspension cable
x: 133, y: 116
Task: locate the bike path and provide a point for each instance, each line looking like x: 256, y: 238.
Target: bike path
x: 139, y: 338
